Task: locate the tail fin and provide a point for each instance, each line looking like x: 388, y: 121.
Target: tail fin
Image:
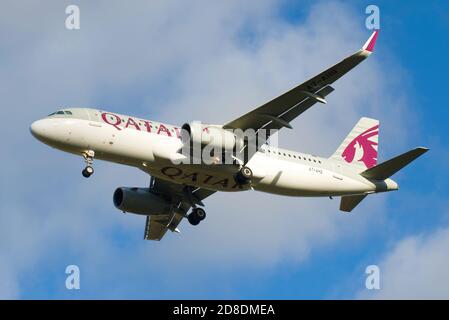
x: 360, y: 146
x: 388, y: 168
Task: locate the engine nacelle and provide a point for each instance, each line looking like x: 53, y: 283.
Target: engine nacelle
x: 140, y: 201
x: 212, y: 135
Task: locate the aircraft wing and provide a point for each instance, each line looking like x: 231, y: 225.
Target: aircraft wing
x: 182, y: 199
x: 278, y: 112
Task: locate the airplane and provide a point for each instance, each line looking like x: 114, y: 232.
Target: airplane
x: 177, y: 187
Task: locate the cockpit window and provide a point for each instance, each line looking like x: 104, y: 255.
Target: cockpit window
x: 65, y: 112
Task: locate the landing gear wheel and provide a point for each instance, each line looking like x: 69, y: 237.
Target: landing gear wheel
x: 244, y: 176
x: 200, y: 213
x: 193, y: 219
x: 88, y: 159
x: 246, y: 173
x: 88, y: 171
x: 196, y: 216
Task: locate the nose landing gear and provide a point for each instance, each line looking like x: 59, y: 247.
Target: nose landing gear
x: 88, y: 159
x: 87, y: 171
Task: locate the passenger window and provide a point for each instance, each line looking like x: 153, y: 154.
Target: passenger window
x: 68, y: 112
x: 60, y: 112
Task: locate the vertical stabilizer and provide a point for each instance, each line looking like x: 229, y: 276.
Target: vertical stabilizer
x: 359, y: 148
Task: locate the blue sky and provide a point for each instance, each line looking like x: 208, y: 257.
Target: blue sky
x: 171, y: 61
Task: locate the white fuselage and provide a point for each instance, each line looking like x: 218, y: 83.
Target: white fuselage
x: 150, y: 146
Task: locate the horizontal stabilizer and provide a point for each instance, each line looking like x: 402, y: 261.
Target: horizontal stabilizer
x: 388, y: 168
x: 350, y: 202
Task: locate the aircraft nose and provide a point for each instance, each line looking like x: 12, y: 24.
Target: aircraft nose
x: 39, y: 129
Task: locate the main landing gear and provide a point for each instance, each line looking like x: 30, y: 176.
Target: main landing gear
x: 243, y: 176
x: 196, y: 216
x: 88, y: 159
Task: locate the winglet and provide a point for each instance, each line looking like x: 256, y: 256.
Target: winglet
x: 369, y: 45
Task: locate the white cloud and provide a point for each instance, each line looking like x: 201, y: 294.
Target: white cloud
x: 176, y: 62
x: 416, y: 268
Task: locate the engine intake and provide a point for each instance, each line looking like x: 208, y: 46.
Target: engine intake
x: 140, y: 201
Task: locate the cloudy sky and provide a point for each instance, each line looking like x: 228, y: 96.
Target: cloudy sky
x: 178, y: 61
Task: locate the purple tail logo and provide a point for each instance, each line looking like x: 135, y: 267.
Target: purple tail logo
x: 363, y: 147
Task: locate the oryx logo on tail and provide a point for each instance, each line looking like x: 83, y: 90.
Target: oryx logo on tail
x: 363, y: 148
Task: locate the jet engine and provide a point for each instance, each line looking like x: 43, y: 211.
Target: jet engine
x: 140, y: 201
x: 213, y: 136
